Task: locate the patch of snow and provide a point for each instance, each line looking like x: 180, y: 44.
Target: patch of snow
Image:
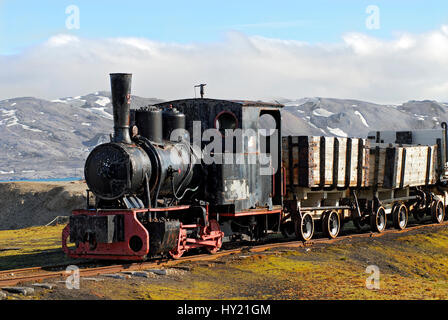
x: 14, y: 122
x: 13, y: 104
x: 5, y: 172
x: 312, y: 125
x: 28, y: 171
x: 322, y: 113
x: 337, y: 132
x: 9, y: 118
x: 59, y: 100
x: 103, y: 101
x: 102, y: 112
x: 420, y: 117
x: 362, y: 118
x: 30, y: 129
x: 86, y: 124
x: 9, y: 113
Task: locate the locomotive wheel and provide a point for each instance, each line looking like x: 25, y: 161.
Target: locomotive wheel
x: 378, y: 220
x: 331, y: 224
x: 215, y: 249
x: 214, y: 227
x: 177, y: 254
x: 304, y: 227
x: 437, y: 211
x: 400, y: 216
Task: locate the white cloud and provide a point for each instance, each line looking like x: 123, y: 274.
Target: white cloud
x: 410, y: 66
x: 62, y: 40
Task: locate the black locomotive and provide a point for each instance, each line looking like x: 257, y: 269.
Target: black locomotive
x: 153, y: 193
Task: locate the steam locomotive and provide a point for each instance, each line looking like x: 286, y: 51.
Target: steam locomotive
x: 157, y: 193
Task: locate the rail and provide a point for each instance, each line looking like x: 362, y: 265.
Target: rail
x: 16, y: 276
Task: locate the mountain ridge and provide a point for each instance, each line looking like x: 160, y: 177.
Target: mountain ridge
x: 42, y: 139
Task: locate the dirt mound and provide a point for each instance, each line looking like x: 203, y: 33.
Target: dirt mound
x: 26, y: 204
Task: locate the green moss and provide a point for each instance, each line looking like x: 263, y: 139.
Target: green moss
x: 37, y: 246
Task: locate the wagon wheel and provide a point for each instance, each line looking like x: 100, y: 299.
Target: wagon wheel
x: 378, y: 220
x: 358, y: 224
x: 331, y: 224
x: 437, y: 211
x: 287, y: 229
x: 400, y: 216
x: 304, y: 227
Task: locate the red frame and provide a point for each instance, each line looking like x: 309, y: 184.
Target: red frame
x: 210, y: 237
x: 116, y: 250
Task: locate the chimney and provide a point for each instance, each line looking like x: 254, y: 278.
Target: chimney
x: 121, y: 102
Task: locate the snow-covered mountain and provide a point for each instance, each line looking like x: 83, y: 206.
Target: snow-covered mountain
x: 354, y: 118
x: 51, y: 139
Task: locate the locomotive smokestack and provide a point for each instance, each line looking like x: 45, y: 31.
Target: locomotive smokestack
x: 121, y: 101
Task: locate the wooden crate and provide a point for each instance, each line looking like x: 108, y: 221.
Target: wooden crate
x: 394, y: 167
x: 325, y: 162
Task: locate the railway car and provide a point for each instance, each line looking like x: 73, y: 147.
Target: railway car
x: 194, y: 173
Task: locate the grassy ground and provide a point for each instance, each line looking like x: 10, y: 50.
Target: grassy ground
x: 412, y: 265
x: 39, y: 246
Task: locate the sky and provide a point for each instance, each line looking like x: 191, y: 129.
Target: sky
x: 382, y: 51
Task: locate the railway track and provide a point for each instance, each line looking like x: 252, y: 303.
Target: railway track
x: 37, y: 274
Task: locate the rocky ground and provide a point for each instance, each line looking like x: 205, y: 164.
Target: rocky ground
x: 411, y: 265
x: 27, y: 204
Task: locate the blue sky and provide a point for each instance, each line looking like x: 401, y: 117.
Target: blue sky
x: 24, y: 23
